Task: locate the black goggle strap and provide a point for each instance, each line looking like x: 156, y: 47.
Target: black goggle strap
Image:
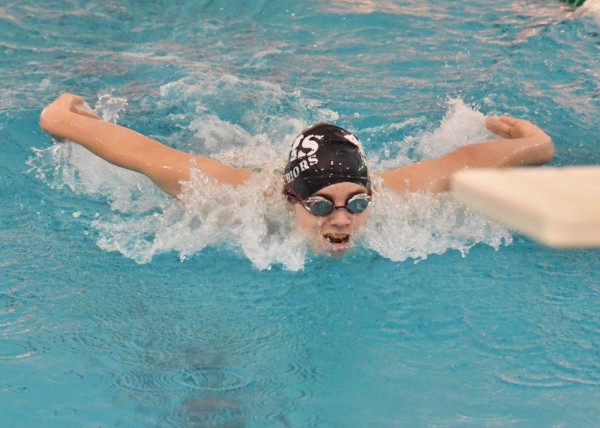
x: 293, y: 199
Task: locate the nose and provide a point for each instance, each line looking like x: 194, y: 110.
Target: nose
x: 340, y: 217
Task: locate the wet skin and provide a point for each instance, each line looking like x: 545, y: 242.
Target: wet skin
x: 334, y: 232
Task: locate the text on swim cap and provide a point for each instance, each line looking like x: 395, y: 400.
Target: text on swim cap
x: 302, y: 166
x: 309, y: 146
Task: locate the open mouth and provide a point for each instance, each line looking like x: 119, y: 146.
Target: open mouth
x: 337, y: 239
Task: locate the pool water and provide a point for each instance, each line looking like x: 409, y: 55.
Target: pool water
x: 122, y: 307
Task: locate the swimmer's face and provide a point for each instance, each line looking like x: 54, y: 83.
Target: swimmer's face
x: 333, y: 233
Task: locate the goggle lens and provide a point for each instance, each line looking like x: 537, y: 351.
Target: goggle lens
x: 321, y: 206
x: 358, y: 205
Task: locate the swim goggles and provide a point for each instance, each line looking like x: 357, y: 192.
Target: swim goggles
x: 321, y: 206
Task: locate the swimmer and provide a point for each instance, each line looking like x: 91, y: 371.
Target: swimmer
x: 326, y: 180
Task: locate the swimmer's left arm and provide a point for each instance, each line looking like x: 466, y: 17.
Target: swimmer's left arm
x: 522, y: 143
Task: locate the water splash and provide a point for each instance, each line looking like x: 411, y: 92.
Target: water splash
x: 253, y: 218
x: 415, y: 225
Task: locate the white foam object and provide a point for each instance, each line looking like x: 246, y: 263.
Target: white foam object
x: 559, y: 207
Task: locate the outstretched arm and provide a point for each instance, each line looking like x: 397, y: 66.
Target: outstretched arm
x: 66, y: 118
x: 522, y: 144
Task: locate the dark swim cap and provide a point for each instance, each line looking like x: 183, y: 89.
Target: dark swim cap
x: 323, y: 155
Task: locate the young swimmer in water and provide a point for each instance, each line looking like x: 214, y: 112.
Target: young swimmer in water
x: 326, y: 179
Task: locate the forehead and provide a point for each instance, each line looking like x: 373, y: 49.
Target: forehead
x: 341, y: 189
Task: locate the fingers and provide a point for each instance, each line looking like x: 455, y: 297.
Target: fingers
x: 53, y: 117
x: 69, y: 100
x: 511, y: 127
x: 501, y: 126
x: 85, y: 112
x: 512, y: 121
x: 76, y: 104
x: 76, y: 99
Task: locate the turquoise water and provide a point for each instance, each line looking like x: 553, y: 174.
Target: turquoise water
x: 103, y: 325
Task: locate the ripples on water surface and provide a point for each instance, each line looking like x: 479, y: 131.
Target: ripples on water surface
x: 118, y: 307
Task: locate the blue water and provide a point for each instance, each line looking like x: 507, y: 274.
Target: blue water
x: 101, y: 326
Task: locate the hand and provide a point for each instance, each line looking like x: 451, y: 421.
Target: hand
x: 54, y: 117
x: 528, y: 143
x: 511, y: 127
x: 72, y: 103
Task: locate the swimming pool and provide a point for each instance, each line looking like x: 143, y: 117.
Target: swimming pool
x: 113, y: 314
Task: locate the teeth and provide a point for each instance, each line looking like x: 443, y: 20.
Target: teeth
x: 337, y: 239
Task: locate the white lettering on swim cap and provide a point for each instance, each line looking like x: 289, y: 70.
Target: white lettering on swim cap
x: 302, y: 166
x: 292, y: 175
x: 294, y: 149
x: 309, y: 146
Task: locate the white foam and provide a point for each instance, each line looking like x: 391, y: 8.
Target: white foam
x: 225, y: 112
x: 414, y: 225
x: 252, y: 219
x: 461, y: 125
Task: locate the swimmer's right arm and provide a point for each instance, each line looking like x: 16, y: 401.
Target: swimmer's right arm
x: 66, y: 118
